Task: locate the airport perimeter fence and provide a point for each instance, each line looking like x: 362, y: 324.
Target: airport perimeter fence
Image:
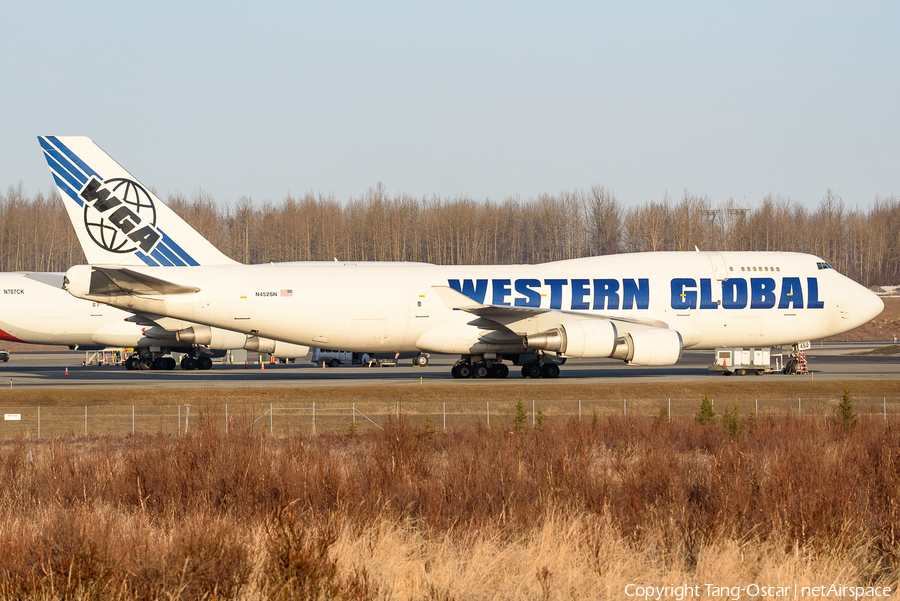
x: 336, y: 417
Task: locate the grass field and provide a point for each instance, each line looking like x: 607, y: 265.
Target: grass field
x: 290, y: 410
x: 574, y: 510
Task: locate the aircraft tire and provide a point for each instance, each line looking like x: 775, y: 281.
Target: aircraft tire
x: 464, y: 370
x: 480, y: 370
x: 550, y: 370
x: 204, y: 363
x: 334, y: 363
x: 454, y: 371
x: 532, y: 369
x: 146, y: 363
x: 188, y: 363
x: 159, y: 363
x: 498, y: 370
x: 132, y: 363
x: 170, y: 363
x: 421, y: 361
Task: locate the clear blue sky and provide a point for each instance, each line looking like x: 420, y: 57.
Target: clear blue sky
x: 489, y: 100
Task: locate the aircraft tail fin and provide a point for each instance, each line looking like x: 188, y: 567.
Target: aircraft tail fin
x: 118, y: 220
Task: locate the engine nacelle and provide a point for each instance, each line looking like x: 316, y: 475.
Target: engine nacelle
x: 195, y: 335
x: 585, y: 338
x: 285, y: 350
x: 654, y: 346
x: 261, y: 345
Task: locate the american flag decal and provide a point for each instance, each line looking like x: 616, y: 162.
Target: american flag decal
x: 286, y: 293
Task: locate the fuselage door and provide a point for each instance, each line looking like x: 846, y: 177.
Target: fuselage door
x: 421, y: 306
x: 242, y: 307
x: 720, y: 270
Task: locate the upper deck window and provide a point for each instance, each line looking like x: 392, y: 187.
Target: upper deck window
x: 823, y: 265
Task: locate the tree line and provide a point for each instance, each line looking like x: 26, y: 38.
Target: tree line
x: 35, y: 233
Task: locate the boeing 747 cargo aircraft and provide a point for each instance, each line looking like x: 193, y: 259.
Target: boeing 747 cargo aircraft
x: 641, y: 308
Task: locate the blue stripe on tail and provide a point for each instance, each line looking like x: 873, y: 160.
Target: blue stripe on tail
x: 178, y: 250
x: 72, y: 156
x: 171, y: 256
x: 64, y: 173
x: 65, y: 188
x: 146, y: 259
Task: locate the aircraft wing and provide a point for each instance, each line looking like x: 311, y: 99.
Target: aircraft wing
x: 527, y: 320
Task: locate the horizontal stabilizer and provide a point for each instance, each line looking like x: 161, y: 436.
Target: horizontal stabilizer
x: 114, y: 282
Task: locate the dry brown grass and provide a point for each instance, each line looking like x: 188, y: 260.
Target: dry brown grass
x: 453, y: 392
x: 573, y: 511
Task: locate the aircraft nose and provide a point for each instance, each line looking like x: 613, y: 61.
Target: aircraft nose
x: 867, y: 305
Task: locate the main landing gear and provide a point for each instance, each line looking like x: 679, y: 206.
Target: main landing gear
x: 474, y: 366
x: 534, y: 369
x: 480, y: 369
x: 159, y: 360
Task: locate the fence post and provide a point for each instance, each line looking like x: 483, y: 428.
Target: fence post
x: 354, y: 413
x: 488, y: 413
x: 884, y: 404
x: 271, y: 420
x: 179, y: 419
x: 314, y: 417
x: 625, y: 407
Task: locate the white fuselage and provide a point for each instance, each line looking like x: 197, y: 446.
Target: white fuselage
x: 711, y: 299
x: 36, y: 309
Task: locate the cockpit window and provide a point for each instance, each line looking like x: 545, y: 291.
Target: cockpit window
x: 824, y: 266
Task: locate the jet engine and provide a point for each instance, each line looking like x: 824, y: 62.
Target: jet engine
x: 275, y: 347
x: 654, y: 346
x: 226, y: 339
x: 585, y: 338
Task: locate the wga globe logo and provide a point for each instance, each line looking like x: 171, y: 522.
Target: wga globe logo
x: 120, y: 215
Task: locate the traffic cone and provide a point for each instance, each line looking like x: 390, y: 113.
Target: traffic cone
x: 245, y: 365
x: 323, y: 365
x: 262, y: 367
x: 67, y: 371
x: 272, y: 360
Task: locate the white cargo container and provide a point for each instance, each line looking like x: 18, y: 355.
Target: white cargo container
x: 742, y: 361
